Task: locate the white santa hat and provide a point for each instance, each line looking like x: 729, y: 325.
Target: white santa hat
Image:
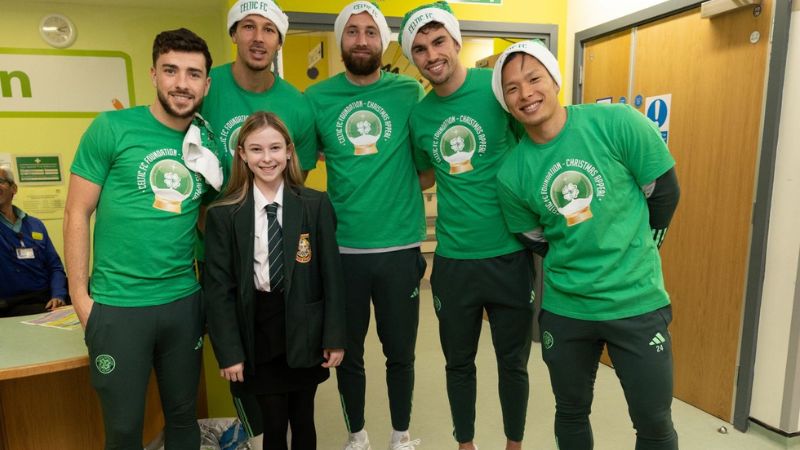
x: 358, y: 8
x: 264, y: 8
x: 534, y: 48
x: 423, y: 15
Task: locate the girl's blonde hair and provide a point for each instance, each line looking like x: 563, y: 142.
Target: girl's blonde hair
x: 241, y: 176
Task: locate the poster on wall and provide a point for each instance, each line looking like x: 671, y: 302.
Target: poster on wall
x: 41, y: 191
x: 63, y: 83
x: 42, y: 202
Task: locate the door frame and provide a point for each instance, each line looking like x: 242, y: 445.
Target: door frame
x: 548, y: 33
x: 765, y: 176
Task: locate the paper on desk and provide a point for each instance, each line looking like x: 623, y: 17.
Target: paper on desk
x: 63, y: 318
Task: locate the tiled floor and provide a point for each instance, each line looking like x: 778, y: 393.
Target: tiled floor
x: 431, y: 418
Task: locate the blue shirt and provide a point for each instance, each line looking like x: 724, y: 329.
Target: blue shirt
x: 43, y: 271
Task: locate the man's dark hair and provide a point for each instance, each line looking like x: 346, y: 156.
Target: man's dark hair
x: 430, y: 26
x: 180, y: 40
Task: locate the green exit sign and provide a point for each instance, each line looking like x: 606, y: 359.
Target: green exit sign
x: 38, y: 168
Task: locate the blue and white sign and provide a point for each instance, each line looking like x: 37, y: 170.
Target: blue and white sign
x: 638, y: 100
x: 623, y: 100
x: 657, y: 109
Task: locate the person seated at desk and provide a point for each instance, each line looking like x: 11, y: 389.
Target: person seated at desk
x: 33, y: 276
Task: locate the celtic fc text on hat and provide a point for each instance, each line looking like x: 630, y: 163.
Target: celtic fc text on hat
x: 264, y: 8
x: 421, y: 16
x: 358, y: 8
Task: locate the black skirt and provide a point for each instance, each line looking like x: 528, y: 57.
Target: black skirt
x: 272, y: 374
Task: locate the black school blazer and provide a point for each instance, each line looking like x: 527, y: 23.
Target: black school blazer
x: 313, y: 285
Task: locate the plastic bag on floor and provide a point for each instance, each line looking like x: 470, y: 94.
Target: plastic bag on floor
x: 222, y: 434
x: 215, y: 434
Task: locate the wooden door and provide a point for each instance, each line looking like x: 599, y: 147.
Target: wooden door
x: 606, y: 66
x: 715, y: 75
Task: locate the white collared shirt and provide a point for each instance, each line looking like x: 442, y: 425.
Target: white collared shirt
x: 260, y: 256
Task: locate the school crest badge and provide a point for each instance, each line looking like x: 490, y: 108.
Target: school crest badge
x: 303, y: 249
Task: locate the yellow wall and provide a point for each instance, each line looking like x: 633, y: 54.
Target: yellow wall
x: 295, y: 65
x: 130, y: 30
x: 295, y: 59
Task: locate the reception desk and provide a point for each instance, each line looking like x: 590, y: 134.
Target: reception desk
x: 46, y: 399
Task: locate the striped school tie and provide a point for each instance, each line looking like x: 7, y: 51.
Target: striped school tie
x: 274, y: 249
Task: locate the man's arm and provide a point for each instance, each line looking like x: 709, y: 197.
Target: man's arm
x: 81, y: 203
x: 58, y: 279
x: 55, y: 269
x: 427, y: 178
x: 662, y: 200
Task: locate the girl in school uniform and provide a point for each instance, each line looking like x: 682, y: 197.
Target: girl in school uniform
x: 274, y: 289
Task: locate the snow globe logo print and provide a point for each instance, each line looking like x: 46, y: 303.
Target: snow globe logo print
x: 572, y: 195
x: 458, y: 145
x: 229, y: 133
x: 363, y: 129
x: 232, y: 140
x: 171, y: 183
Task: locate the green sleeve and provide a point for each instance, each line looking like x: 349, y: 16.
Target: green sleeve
x: 641, y: 148
x: 519, y: 217
x: 95, y: 154
x: 305, y: 139
x: 422, y: 159
x: 320, y: 146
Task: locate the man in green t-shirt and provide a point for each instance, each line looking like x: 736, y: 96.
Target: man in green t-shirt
x: 144, y: 171
x: 593, y: 188
x: 461, y: 136
x: 248, y: 84
x: 362, y: 125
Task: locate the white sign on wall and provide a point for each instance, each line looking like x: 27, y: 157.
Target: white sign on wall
x: 657, y: 109
x: 63, y: 83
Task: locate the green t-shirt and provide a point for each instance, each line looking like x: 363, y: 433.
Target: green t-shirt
x: 145, y: 221
x: 465, y: 137
x: 583, y: 190
x: 227, y: 106
x: 363, y: 131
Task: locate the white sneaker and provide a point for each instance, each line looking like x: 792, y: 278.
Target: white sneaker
x: 358, y: 441
x: 404, y: 444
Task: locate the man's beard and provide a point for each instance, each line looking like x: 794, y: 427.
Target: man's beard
x: 168, y: 108
x: 361, y: 66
